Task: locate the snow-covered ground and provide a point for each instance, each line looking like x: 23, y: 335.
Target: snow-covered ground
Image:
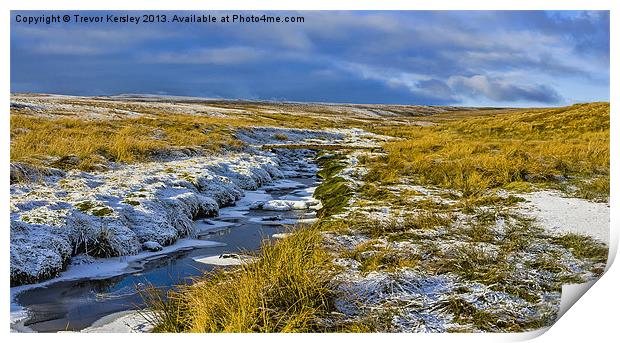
x: 560, y: 214
x: 122, y: 322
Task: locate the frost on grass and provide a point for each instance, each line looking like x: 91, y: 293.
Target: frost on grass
x: 123, y: 211
x: 415, y: 258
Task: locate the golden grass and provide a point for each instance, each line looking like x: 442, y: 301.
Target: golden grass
x: 36, y: 139
x: 286, y: 290
x: 478, y: 153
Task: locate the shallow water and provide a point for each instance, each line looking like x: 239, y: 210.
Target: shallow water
x: 76, y: 304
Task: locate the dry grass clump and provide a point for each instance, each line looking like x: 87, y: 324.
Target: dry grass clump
x: 286, y: 290
x: 475, y: 154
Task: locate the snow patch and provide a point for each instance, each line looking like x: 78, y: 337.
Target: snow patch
x: 561, y: 215
x: 122, y: 322
x: 226, y: 259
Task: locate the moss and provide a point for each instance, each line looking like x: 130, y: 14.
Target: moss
x: 131, y: 202
x: 330, y: 165
x: 85, y: 206
x: 334, y: 192
x: 102, y: 212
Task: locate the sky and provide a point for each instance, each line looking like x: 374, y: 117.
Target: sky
x: 467, y: 58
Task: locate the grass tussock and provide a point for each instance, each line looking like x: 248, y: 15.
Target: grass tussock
x: 477, y: 153
x: 374, y: 257
x: 286, y: 290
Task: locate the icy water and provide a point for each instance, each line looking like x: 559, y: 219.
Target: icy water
x: 76, y: 304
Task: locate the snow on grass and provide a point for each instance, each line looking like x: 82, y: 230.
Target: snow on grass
x: 273, y: 135
x: 302, y: 199
x: 113, y: 213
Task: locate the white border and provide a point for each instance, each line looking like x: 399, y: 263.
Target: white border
x: 593, y: 318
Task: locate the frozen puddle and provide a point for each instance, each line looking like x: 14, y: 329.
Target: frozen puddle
x: 101, y: 295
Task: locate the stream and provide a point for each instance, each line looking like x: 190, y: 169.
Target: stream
x: 73, y: 305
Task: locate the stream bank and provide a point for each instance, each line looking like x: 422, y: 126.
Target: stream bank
x: 76, y: 300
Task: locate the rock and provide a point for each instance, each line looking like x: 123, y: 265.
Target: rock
x: 152, y: 246
x: 272, y: 218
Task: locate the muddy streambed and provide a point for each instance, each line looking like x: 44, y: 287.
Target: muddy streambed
x: 76, y: 304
